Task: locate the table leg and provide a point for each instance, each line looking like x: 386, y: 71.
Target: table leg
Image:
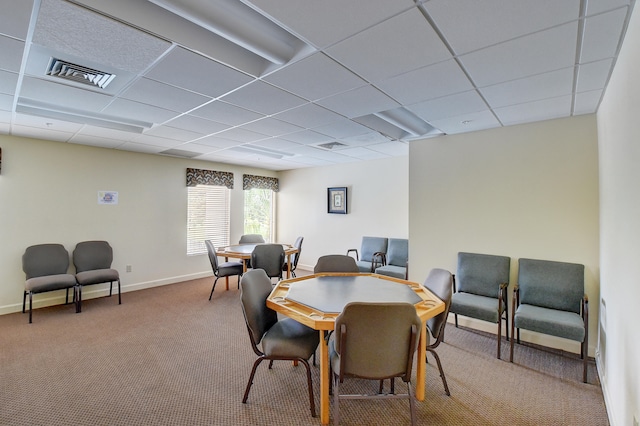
x: 288, y: 266
x: 324, y: 379
x: 421, y: 365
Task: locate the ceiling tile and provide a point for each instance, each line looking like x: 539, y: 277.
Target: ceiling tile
x: 272, y: 127
x: 449, y: 106
x: 169, y: 132
x: 194, y: 72
x: 96, y: 141
x: 380, y: 52
x: 63, y: 95
x: 544, y: 51
x: 8, y: 81
x: 593, y: 75
x: 602, y: 35
x: 469, y: 25
x: 16, y: 23
x: 10, y: 54
x: 470, y: 122
x: 361, y: 101
x: 264, y: 98
x: 138, y: 111
x: 308, y: 115
x: 587, y: 102
x: 418, y: 85
x: 306, y: 137
x: 541, y: 86
x: 197, y: 124
x: 342, y: 129
x: 225, y: 113
x: 535, y: 111
x: 598, y: 6
x: 363, y: 153
x: 162, y: 95
x: 328, y: 78
x: 241, y: 135
x: 326, y: 22
x: 6, y: 104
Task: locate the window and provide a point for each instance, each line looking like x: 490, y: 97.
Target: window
x: 207, y: 217
x: 259, y: 214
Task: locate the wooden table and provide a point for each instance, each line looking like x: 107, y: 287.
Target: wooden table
x: 243, y: 252
x: 316, y: 300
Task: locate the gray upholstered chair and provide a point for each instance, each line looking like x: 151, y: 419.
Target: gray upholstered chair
x: 549, y: 298
x: 92, y: 260
x: 396, y: 259
x: 440, y: 283
x: 270, y: 258
x: 371, y: 253
x: 356, y: 349
x: 46, y: 269
x: 296, y: 257
x: 251, y: 239
x: 273, y: 339
x: 336, y: 263
x: 220, y: 270
x: 480, y: 290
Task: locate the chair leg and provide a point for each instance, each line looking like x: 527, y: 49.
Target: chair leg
x: 119, y: 294
x: 79, y: 305
x: 24, y: 301
x: 412, y: 404
x: 336, y: 400
x: 66, y: 298
x: 444, y: 379
x: 512, y: 341
x: 499, y: 335
x: 30, y: 305
x: 213, y: 288
x: 253, y: 373
x: 76, y: 298
x: 455, y: 317
x: 312, y: 403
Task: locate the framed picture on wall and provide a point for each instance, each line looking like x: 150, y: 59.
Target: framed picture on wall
x: 337, y: 200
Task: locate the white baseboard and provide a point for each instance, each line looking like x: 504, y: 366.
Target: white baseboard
x: 51, y: 298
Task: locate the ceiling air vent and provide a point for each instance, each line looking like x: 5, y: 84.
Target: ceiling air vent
x: 84, y: 75
x: 180, y: 153
x: 331, y: 145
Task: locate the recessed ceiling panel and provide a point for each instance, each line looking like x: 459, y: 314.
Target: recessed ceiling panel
x: 449, y: 106
x: 328, y: 21
x: 138, y: 111
x: 541, y: 86
x: 188, y: 70
x: 272, y: 127
x: 587, y: 102
x: 263, y: 98
x: 308, y: 115
x: 469, y: 25
x: 315, y: 77
x: 594, y: 75
x: 602, y: 35
x: 223, y: 112
x: 169, y: 97
x: 197, y: 124
x: 10, y: 54
x: 420, y: 85
x: 535, y: 111
x: 342, y: 129
x: 382, y: 52
x: 16, y: 23
x: 8, y: 81
x: 533, y: 54
x: 361, y: 101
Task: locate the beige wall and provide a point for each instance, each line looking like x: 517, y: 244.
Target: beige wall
x: 522, y: 191
x: 48, y: 194
x: 619, y: 144
x: 378, y: 206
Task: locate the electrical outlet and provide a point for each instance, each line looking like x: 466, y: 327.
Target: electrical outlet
x: 128, y: 268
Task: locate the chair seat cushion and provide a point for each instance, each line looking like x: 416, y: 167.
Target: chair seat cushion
x: 363, y: 265
x: 392, y: 271
x: 475, y: 306
x: 290, y: 339
x: 568, y: 325
x: 97, y: 276
x: 50, y: 283
x: 230, y: 268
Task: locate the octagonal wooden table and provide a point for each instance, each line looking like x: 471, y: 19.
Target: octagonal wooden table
x: 316, y: 300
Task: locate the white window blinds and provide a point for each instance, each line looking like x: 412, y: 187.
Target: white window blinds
x: 207, y: 217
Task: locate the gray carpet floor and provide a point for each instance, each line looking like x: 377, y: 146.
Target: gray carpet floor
x: 168, y: 356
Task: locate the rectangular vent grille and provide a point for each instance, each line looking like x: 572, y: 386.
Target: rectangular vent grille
x: 331, y: 145
x: 79, y: 74
x: 180, y: 153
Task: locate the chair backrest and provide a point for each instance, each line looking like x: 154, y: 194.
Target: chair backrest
x: 255, y: 287
x: 371, y: 245
x: 440, y: 283
x: 482, y: 274
x: 45, y: 259
x: 251, y: 239
x: 296, y: 256
x: 398, y: 252
x: 377, y: 340
x: 269, y: 257
x: 336, y: 263
x: 92, y: 255
x: 549, y: 284
x: 213, y: 258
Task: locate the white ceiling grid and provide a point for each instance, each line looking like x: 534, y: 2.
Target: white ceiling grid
x: 267, y: 83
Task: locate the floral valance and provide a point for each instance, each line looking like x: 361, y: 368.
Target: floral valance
x: 209, y: 177
x: 260, y: 182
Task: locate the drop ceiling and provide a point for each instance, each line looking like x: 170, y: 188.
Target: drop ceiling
x: 286, y: 84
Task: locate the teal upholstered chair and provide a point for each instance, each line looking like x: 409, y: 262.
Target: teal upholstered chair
x: 372, y: 250
x: 549, y: 298
x: 480, y: 289
x: 396, y: 259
